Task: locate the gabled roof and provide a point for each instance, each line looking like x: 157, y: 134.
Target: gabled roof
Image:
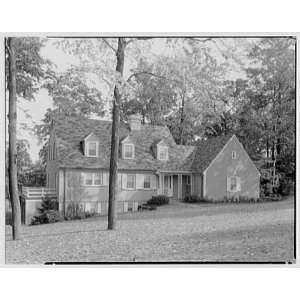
x: 207, y: 150
x: 71, y: 131
x: 89, y: 135
x: 160, y: 142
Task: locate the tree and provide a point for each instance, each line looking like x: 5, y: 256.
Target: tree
x: 24, y: 70
x: 24, y: 162
x: 12, y: 131
x: 72, y: 95
x: 272, y: 95
x: 151, y: 93
x: 120, y: 53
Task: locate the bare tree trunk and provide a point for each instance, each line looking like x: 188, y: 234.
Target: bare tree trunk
x: 12, y: 150
x: 181, y: 121
x: 115, y: 139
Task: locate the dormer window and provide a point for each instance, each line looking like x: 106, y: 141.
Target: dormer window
x: 128, y: 151
x: 163, y: 153
x: 92, y: 149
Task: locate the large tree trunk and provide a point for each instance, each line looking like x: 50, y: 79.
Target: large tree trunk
x: 12, y: 150
x: 115, y: 139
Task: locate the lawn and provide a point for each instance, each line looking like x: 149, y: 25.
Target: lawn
x: 176, y: 232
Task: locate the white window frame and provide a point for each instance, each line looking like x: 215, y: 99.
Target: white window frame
x: 237, y: 184
x: 134, y: 182
x: 88, y: 148
x: 147, y: 188
x: 124, y: 152
x: 233, y: 155
x: 163, y: 148
x: 93, y: 179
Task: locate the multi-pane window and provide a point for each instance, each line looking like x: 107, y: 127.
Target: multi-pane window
x: 93, y: 178
x: 163, y: 153
x: 131, y: 181
x: 147, y: 182
x: 233, y: 184
x: 98, y: 178
x: 128, y: 151
x: 92, y: 149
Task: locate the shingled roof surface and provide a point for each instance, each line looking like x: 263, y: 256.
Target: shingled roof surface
x: 207, y: 150
x: 71, y: 131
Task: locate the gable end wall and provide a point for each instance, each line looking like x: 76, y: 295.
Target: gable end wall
x: 224, y: 166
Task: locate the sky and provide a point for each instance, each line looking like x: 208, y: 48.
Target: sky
x: 37, y: 109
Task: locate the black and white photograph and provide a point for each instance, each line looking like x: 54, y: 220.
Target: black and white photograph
x: 150, y: 149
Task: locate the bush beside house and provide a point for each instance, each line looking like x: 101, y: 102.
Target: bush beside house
x: 48, y: 212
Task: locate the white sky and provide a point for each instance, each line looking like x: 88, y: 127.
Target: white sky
x: 43, y: 101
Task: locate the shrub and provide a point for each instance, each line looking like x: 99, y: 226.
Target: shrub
x: 158, y: 200
x: 50, y: 216
x: 195, y: 199
x: 75, y: 211
x: 48, y: 212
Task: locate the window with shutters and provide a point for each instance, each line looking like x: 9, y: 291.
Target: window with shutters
x: 128, y: 151
x: 130, y: 181
x: 147, y: 181
x: 233, y: 184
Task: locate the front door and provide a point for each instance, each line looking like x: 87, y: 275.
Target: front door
x: 168, y: 185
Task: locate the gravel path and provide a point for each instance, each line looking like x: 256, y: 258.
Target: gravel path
x: 210, y: 232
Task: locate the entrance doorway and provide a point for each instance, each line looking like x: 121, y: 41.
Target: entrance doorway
x: 168, y: 185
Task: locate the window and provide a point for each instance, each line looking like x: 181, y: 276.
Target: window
x: 233, y: 184
x: 163, y: 153
x: 147, y: 182
x: 89, y: 179
x: 233, y: 155
x: 93, y: 178
x: 98, y: 179
x: 92, y: 149
x: 130, y: 181
x: 128, y: 151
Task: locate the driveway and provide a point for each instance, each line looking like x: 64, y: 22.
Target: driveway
x: 176, y: 232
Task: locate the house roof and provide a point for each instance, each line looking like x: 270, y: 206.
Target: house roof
x: 71, y: 131
x: 207, y: 150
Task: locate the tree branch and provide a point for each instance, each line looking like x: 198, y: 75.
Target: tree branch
x: 109, y: 45
x: 146, y: 73
x: 201, y: 40
x: 150, y: 74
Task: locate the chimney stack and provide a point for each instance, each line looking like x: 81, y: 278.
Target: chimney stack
x: 135, y: 122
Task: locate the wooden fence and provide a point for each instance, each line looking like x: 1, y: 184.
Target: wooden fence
x: 32, y: 201
x: 37, y: 193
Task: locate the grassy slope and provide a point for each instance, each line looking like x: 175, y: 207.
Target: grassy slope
x: 206, y: 232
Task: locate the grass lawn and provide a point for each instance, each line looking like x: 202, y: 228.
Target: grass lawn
x: 176, y: 232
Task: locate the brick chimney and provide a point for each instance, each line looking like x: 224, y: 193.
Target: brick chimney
x: 135, y: 122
